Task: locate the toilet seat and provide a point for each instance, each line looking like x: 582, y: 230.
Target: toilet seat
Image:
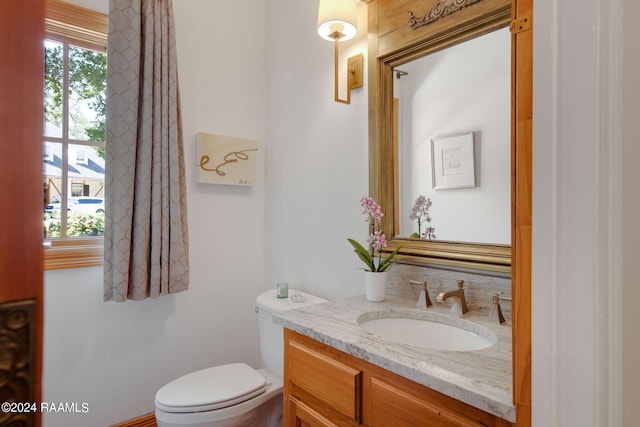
x: 211, y: 389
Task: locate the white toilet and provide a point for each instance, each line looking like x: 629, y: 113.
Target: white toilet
x: 235, y: 395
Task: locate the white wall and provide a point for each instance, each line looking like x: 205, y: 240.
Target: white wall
x: 317, y: 161
x: 628, y: 226
x: 464, y: 88
x: 585, y: 205
x: 101, y: 6
x: 564, y: 254
x: 114, y: 356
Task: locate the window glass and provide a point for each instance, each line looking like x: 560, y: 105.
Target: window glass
x: 74, y: 131
x: 87, y: 91
x: 53, y: 88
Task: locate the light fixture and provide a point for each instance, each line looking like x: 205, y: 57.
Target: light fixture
x: 336, y: 23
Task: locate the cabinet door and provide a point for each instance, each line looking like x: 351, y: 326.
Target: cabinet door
x: 392, y: 407
x: 302, y: 415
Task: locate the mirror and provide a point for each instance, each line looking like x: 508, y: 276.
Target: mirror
x: 395, y: 44
x: 454, y: 148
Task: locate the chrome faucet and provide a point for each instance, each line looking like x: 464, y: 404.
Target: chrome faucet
x: 459, y: 305
x: 424, y: 295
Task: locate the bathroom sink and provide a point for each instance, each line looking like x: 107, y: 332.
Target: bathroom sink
x: 430, y: 331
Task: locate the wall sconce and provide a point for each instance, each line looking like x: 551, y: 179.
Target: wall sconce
x: 337, y: 22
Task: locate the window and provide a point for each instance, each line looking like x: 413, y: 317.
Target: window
x: 48, y: 152
x: 81, y: 154
x: 74, y: 135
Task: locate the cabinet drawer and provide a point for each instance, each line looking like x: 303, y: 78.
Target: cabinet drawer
x: 326, y: 379
x: 391, y: 406
x: 304, y: 416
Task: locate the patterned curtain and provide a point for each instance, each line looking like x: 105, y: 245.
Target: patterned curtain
x: 146, y: 241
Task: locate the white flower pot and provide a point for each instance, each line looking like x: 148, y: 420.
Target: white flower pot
x: 375, y: 285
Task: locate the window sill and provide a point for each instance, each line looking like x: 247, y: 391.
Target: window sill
x: 73, y: 254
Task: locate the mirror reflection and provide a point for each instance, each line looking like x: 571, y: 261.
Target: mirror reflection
x: 453, y: 109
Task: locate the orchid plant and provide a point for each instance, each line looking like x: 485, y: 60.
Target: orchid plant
x: 376, y: 239
x: 420, y: 213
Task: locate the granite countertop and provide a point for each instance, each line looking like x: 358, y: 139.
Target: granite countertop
x: 480, y: 378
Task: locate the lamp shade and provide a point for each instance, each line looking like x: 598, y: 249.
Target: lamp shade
x: 337, y: 16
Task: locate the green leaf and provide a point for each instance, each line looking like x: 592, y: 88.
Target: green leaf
x: 386, y: 263
x: 364, y: 259
x: 363, y: 254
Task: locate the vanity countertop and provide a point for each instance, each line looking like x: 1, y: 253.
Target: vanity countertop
x: 481, y: 378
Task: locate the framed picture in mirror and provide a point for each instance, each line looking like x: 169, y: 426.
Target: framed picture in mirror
x: 452, y: 162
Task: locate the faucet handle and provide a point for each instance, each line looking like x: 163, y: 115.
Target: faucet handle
x: 495, y: 315
x: 424, y: 294
x: 416, y: 282
x: 460, y: 284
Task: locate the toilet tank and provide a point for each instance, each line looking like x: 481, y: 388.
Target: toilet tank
x: 271, y: 339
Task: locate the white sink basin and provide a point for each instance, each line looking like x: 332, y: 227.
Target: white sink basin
x: 430, y: 331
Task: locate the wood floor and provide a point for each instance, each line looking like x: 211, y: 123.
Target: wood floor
x: 148, y: 420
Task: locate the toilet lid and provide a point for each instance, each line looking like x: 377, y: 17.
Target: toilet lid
x: 212, y: 388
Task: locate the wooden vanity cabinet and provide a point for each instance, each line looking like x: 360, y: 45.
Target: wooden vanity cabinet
x: 326, y: 387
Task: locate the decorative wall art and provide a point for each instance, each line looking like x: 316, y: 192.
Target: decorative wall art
x: 452, y: 162
x: 225, y: 160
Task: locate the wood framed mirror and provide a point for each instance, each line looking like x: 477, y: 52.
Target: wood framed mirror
x: 399, y: 32
x: 392, y: 41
